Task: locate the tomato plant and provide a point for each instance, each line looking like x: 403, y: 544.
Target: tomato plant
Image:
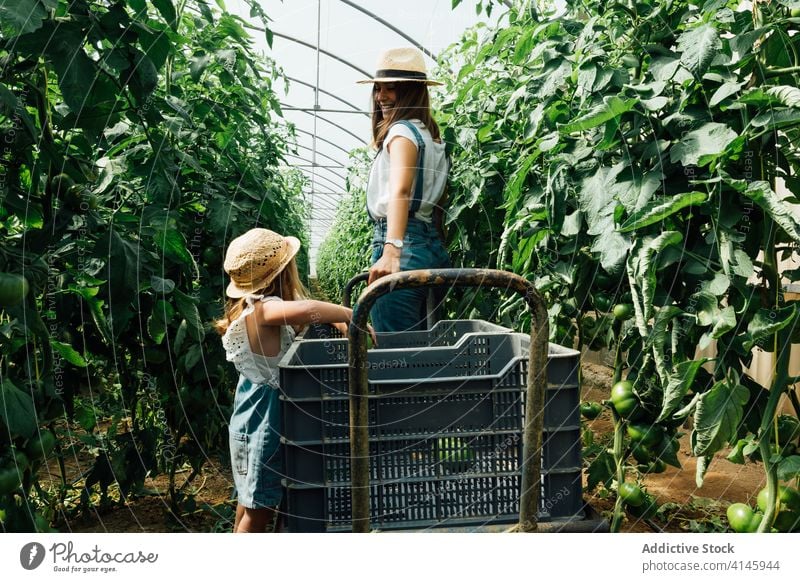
x: 643, y: 144
x: 136, y: 136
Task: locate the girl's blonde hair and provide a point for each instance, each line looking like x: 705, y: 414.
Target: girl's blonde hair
x: 287, y: 286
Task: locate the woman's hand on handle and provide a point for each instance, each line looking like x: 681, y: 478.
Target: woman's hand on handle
x: 388, y: 263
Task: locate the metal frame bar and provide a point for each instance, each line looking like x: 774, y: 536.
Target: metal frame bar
x: 332, y: 182
x: 320, y: 154
x: 391, y: 27
x: 534, y: 400
x: 324, y: 52
x: 327, y: 141
x: 328, y: 93
x: 337, y: 126
x: 286, y: 107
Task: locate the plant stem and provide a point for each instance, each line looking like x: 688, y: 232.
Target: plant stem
x: 780, y: 378
x: 619, y: 433
x: 770, y: 72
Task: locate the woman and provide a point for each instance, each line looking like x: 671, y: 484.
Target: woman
x: 406, y: 185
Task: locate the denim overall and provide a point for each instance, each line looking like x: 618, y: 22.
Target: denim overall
x: 423, y: 248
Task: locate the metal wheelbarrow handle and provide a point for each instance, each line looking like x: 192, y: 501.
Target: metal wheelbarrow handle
x: 347, y: 292
x: 537, y: 380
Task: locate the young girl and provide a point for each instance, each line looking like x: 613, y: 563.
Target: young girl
x: 266, y: 301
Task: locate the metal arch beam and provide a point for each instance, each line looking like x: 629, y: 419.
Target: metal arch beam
x: 311, y: 163
x: 326, y: 120
x: 335, y: 185
x: 328, y: 93
x: 391, y: 27
x: 321, y: 154
x: 315, y: 48
x: 327, y: 141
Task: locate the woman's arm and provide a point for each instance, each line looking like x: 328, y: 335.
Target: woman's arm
x: 402, y: 168
x: 301, y: 312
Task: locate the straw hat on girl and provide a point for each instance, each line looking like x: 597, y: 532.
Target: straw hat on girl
x: 255, y: 258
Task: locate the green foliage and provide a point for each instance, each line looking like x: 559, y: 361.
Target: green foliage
x: 138, y: 139
x: 346, y: 250
x: 630, y: 153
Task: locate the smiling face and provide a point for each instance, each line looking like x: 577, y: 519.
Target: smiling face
x: 385, y: 95
x: 393, y: 101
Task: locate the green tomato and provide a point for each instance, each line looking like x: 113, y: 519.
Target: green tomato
x: 795, y: 12
x: 657, y: 466
x: 10, y: 480
x: 642, y: 453
x: 788, y: 429
x: 20, y: 461
x: 631, y: 494
x: 591, y: 410
x: 42, y: 525
x: 789, y: 499
x: 625, y: 401
x: 742, y: 519
x: 601, y: 302
x: 60, y: 183
x: 210, y: 256
x: 13, y: 289
x: 787, y: 521
x: 645, y: 434
x: 623, y: 311
x: 603, y: 280
x: 41, y: 446
x: 647, y: 510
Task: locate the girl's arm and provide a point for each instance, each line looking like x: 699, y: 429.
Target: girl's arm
x: 402, y: 168
x: 301, y: 312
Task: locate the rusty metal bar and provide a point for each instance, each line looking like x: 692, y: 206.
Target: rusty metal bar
x: 534, y: 403
x: 347, y: 292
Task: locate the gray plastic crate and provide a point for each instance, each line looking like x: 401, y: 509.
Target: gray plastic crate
x: 443, y: 333
x: 317, y: 369
x: 445, y: 502
x: 470, y: 392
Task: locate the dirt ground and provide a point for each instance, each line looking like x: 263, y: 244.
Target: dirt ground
x: 725, y: 483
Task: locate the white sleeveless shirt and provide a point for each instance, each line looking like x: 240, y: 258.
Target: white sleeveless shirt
x: 257, y: 368
x: 434, y: 175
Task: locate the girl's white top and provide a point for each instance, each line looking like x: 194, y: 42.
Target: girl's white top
x: 434, y: 173
x: 257, y: 368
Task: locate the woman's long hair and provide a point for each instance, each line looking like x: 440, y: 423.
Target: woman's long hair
x: 287, y: 286
x: 412, y: 102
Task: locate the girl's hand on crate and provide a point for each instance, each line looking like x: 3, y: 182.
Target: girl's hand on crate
x: 342, y: 327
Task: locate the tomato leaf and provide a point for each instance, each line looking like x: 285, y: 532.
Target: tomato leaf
x: 69, y: 353
x: 789, y: 468
x: 680, y: 381
x: 658, y: 210
x: 601, y: 470
x: 718, y: 414
x: 21, y: 16
x: 700, y: 146
x: 187, y: 307
x: 698, y: 48
x: 762, y: 194
x: 611, y: 107
x: 17, y: 410
x: 767, y: 322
